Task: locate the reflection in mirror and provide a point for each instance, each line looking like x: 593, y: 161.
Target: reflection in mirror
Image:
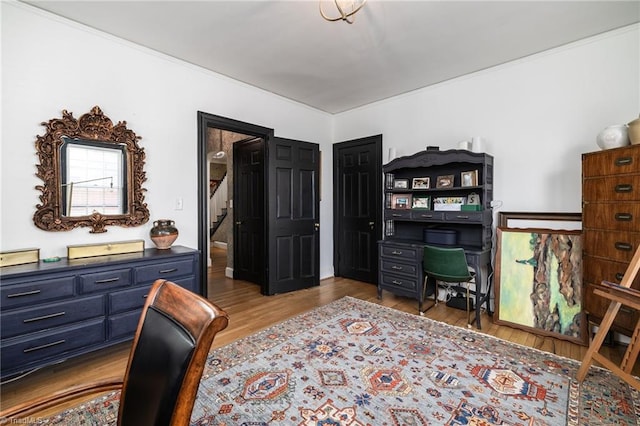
x: 92, y: 172
x: 93, y: 178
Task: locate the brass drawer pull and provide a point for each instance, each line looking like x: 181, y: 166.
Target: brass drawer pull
x: 396, y: 215
x: 619, y: 276
x: 397, y: 268
x: 626, y: 310
x: 397, y: 282
x: 397, y: 253
x: 623, y: 161
x: 166, y: 271
x: 461, y: 216
x: 26, y: 293
x: 48, y: 345
x: 623, y: 246
x: 426, y: 216
x: 624, y: 188
x: 44, y: 317
x: 108, y: 280
x: 624, y: 217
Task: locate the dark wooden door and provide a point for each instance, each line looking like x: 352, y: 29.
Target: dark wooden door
x: 358, y: 206
x: 293, y: 215
x: 249, y: 211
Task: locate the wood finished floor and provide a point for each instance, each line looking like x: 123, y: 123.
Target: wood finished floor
x: 249, y: 312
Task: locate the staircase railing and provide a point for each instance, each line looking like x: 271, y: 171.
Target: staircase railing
x: 218, y: 201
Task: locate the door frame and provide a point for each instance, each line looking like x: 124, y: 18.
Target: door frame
x: 206, y: 121
x: 376, y: 142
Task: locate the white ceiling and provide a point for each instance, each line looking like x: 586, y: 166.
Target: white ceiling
x: 393, y: 47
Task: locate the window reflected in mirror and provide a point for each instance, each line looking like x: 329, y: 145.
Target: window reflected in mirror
x: 93, y: 178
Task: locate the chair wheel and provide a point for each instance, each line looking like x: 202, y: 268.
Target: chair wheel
x: 421, y: 314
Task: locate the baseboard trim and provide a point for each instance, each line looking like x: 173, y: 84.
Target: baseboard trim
x: 228, y: 272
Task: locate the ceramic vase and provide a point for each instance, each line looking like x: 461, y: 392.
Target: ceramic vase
x: 163, y: 233
x: 613, y: 137
x: 634, y: 131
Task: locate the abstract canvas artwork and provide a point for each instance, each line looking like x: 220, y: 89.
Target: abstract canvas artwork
x: 538, y: 282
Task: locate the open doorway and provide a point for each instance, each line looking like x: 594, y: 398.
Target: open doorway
x: 216, y: 136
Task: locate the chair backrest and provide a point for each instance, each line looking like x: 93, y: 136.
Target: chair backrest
x: 446, y: 264
x: 169, y: 351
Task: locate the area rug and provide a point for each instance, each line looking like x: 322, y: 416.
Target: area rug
x: 356, y: 363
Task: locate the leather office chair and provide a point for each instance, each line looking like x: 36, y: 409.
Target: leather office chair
x: 618, y: 294
x: 448, y: 265
x: 169, y: 351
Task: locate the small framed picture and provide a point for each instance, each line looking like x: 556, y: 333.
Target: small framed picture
x: 420, y: 183
x: 445, y: 181
x: 401, y: 201
x: 421, y: 202
x: 401, y: 184
x: 469, y: 178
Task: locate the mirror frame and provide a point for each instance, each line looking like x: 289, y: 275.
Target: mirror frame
x: 96, y: 127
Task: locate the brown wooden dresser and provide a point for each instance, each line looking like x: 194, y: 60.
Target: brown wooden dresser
x: 610, y: 225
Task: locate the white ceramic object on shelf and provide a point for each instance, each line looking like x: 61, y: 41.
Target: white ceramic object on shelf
x: 614, y: 136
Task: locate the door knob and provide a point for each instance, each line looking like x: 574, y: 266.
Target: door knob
x: 316, y: 226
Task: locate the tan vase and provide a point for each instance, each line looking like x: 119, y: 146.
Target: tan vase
x: 634, y: 131
x: 163, y: 233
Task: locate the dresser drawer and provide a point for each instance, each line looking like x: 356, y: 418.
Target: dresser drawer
x: 406, y: 253
x: 596, y: 270
x: 613, y: 245
x: 390, y: 265
x: 611, y: 161
x: 43, y: 317
x: 165, y: 271
x: 392, y: 281
x: 612, y: 216
x: 105, y: 281
x: 32, y: 293
x: 596, y: 306
x: 611, y: 188
x: 123, y: 326
x: 18, y: 353
x: 126, y: 300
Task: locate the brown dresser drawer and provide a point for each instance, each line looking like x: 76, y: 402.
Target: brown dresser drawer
x: 611, y: 161
x: 612, y: 216
x: 596, y: 270
x: 597, y: 306
x: 613, y: 245
x: 611, y: 188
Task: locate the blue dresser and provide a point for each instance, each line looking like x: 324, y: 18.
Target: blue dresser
x: 50, y: 312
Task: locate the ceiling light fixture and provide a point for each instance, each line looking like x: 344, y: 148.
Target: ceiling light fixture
x: 346, y: 9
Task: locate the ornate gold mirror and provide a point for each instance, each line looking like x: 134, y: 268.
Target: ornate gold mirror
x: 92, y: 172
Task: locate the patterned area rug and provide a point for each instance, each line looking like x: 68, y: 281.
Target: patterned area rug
x: 356, y: 363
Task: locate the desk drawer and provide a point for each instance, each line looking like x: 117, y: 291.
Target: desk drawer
x: 426, y: 215
x: 105, y: 281
x: 406, y: 253
x: 43, y: 317
x: 32, y: 293
x: 460, y: 216
x: 20, y: 352
x: 395, y: 214
x: 165, y: 271
x: 391, y: 281
x: 390, y: 265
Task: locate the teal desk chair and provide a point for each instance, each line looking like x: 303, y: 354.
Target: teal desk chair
x: 448, y: 265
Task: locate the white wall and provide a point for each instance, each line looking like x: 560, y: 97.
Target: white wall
x: 50, y: 64
x: 538, y: 115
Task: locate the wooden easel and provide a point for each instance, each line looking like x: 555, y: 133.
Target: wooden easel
x: 619, y: 294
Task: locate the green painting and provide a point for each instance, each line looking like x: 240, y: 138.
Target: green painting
x: 539, y: 282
